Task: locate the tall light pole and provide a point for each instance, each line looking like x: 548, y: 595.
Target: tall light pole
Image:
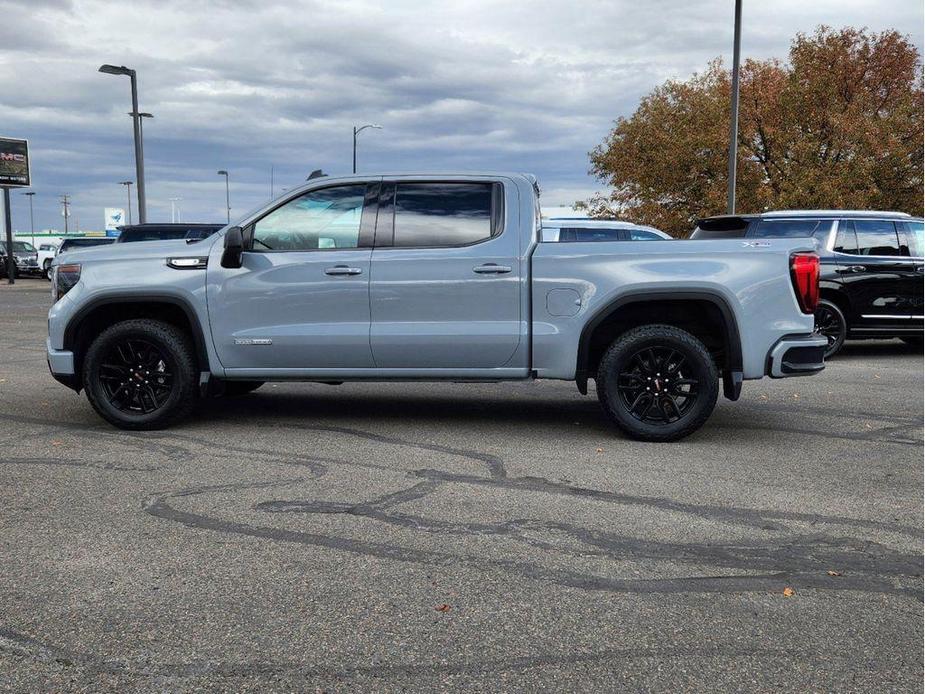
x: 175, y: 209
x: 357, y: 131
x: 227, y: 193
x: 128, y: 195
x: 734, y: 116
x: 136, y: 122
x: 31, y: 195
x: 66, y: 209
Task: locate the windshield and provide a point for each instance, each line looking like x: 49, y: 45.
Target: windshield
x: 22, y: 247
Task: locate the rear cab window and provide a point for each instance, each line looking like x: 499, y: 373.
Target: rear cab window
x: 445, y: 215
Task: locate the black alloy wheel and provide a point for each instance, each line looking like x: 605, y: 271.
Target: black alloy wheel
x: 141, y: 374
x: 831, y: 324
x: 657, y: 383
x: 134, y: 376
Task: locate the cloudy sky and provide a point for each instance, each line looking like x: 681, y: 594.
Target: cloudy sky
x: 462, y: 85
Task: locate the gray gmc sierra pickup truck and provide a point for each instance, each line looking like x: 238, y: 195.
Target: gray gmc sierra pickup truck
x: 430, y: 277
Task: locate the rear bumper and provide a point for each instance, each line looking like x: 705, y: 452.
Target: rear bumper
x: 797, y: 355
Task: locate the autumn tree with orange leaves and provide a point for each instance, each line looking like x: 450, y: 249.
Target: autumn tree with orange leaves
x: 837, y: 126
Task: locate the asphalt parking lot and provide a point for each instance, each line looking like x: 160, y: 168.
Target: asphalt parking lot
x: 479, y: 537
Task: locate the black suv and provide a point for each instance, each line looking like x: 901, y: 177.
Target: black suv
x: 72, y: 244
x: 871, y: 267
x: 164, y: 232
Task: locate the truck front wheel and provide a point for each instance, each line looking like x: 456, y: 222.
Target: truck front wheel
x: 141, y: 374
x: 657, y: 383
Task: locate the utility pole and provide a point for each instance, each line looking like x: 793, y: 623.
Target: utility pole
x: 66, y: 211
x: 31, y: 194
x: 734, y: 116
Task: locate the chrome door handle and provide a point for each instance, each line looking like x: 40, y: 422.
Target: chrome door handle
x: 491, y: 269
x: 920, y: 268
x: 343, y: 270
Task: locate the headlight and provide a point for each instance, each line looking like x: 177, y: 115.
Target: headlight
x: 64, y: 278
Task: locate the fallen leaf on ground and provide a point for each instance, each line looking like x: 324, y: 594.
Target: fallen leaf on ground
x: 789, y: 592
x: 57, y: 443
x: 442, y: 608
x: 600, y: 450
x: 833, y: 573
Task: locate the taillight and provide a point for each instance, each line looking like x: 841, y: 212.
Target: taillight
x: 804, y: 273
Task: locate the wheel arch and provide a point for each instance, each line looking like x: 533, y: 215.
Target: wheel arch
x: 681, y: 308
x: 102, y: 312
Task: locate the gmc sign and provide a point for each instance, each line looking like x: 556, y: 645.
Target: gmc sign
x: 14, y: 163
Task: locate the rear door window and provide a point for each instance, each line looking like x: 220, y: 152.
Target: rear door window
x: 440, y: 215
x: 845, y: 240
x: 915, y: 233
x: 876, y: 237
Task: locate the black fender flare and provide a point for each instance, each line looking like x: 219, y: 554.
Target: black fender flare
x: 73, y: 324
x: 733, y: 366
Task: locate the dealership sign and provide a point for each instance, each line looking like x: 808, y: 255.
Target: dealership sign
x: 14, y: 163
x: 114, y: 218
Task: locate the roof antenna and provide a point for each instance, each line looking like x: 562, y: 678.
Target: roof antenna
x: 317, y: 173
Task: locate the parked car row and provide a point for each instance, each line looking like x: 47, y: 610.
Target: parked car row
x: 47, y: 251
x: 25, y: 259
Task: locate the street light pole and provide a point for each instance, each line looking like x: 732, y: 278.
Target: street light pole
x: 66, y: 202
x: 31, y: 194
x: 357, y: 131
x: 734, y: 116
x: 136, y: 123
x: 175, y: 209
x: 128, y: 195
x: 227, y: 194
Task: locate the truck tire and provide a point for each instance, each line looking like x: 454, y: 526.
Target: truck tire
x: 831, y: 324
x: 46, y: 270
x: 657, y: 383
x: 141, y: 374
x: 235, y: 388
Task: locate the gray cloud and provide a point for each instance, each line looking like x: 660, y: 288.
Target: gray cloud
x: 470, y: 84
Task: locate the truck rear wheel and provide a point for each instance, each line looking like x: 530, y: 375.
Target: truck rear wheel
x: 141, y: 374
x: 657, y: 383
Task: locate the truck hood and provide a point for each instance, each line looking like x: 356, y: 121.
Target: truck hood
x: 136, y: 251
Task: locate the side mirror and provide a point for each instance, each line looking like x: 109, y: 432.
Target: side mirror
x: 234, y: 248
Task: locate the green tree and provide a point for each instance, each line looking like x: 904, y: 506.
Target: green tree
x: 839, y: 125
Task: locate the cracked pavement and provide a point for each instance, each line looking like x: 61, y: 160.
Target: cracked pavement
x: 502, y: 537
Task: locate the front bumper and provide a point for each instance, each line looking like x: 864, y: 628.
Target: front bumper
x: 797, y: 355
x: 61, y: 365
